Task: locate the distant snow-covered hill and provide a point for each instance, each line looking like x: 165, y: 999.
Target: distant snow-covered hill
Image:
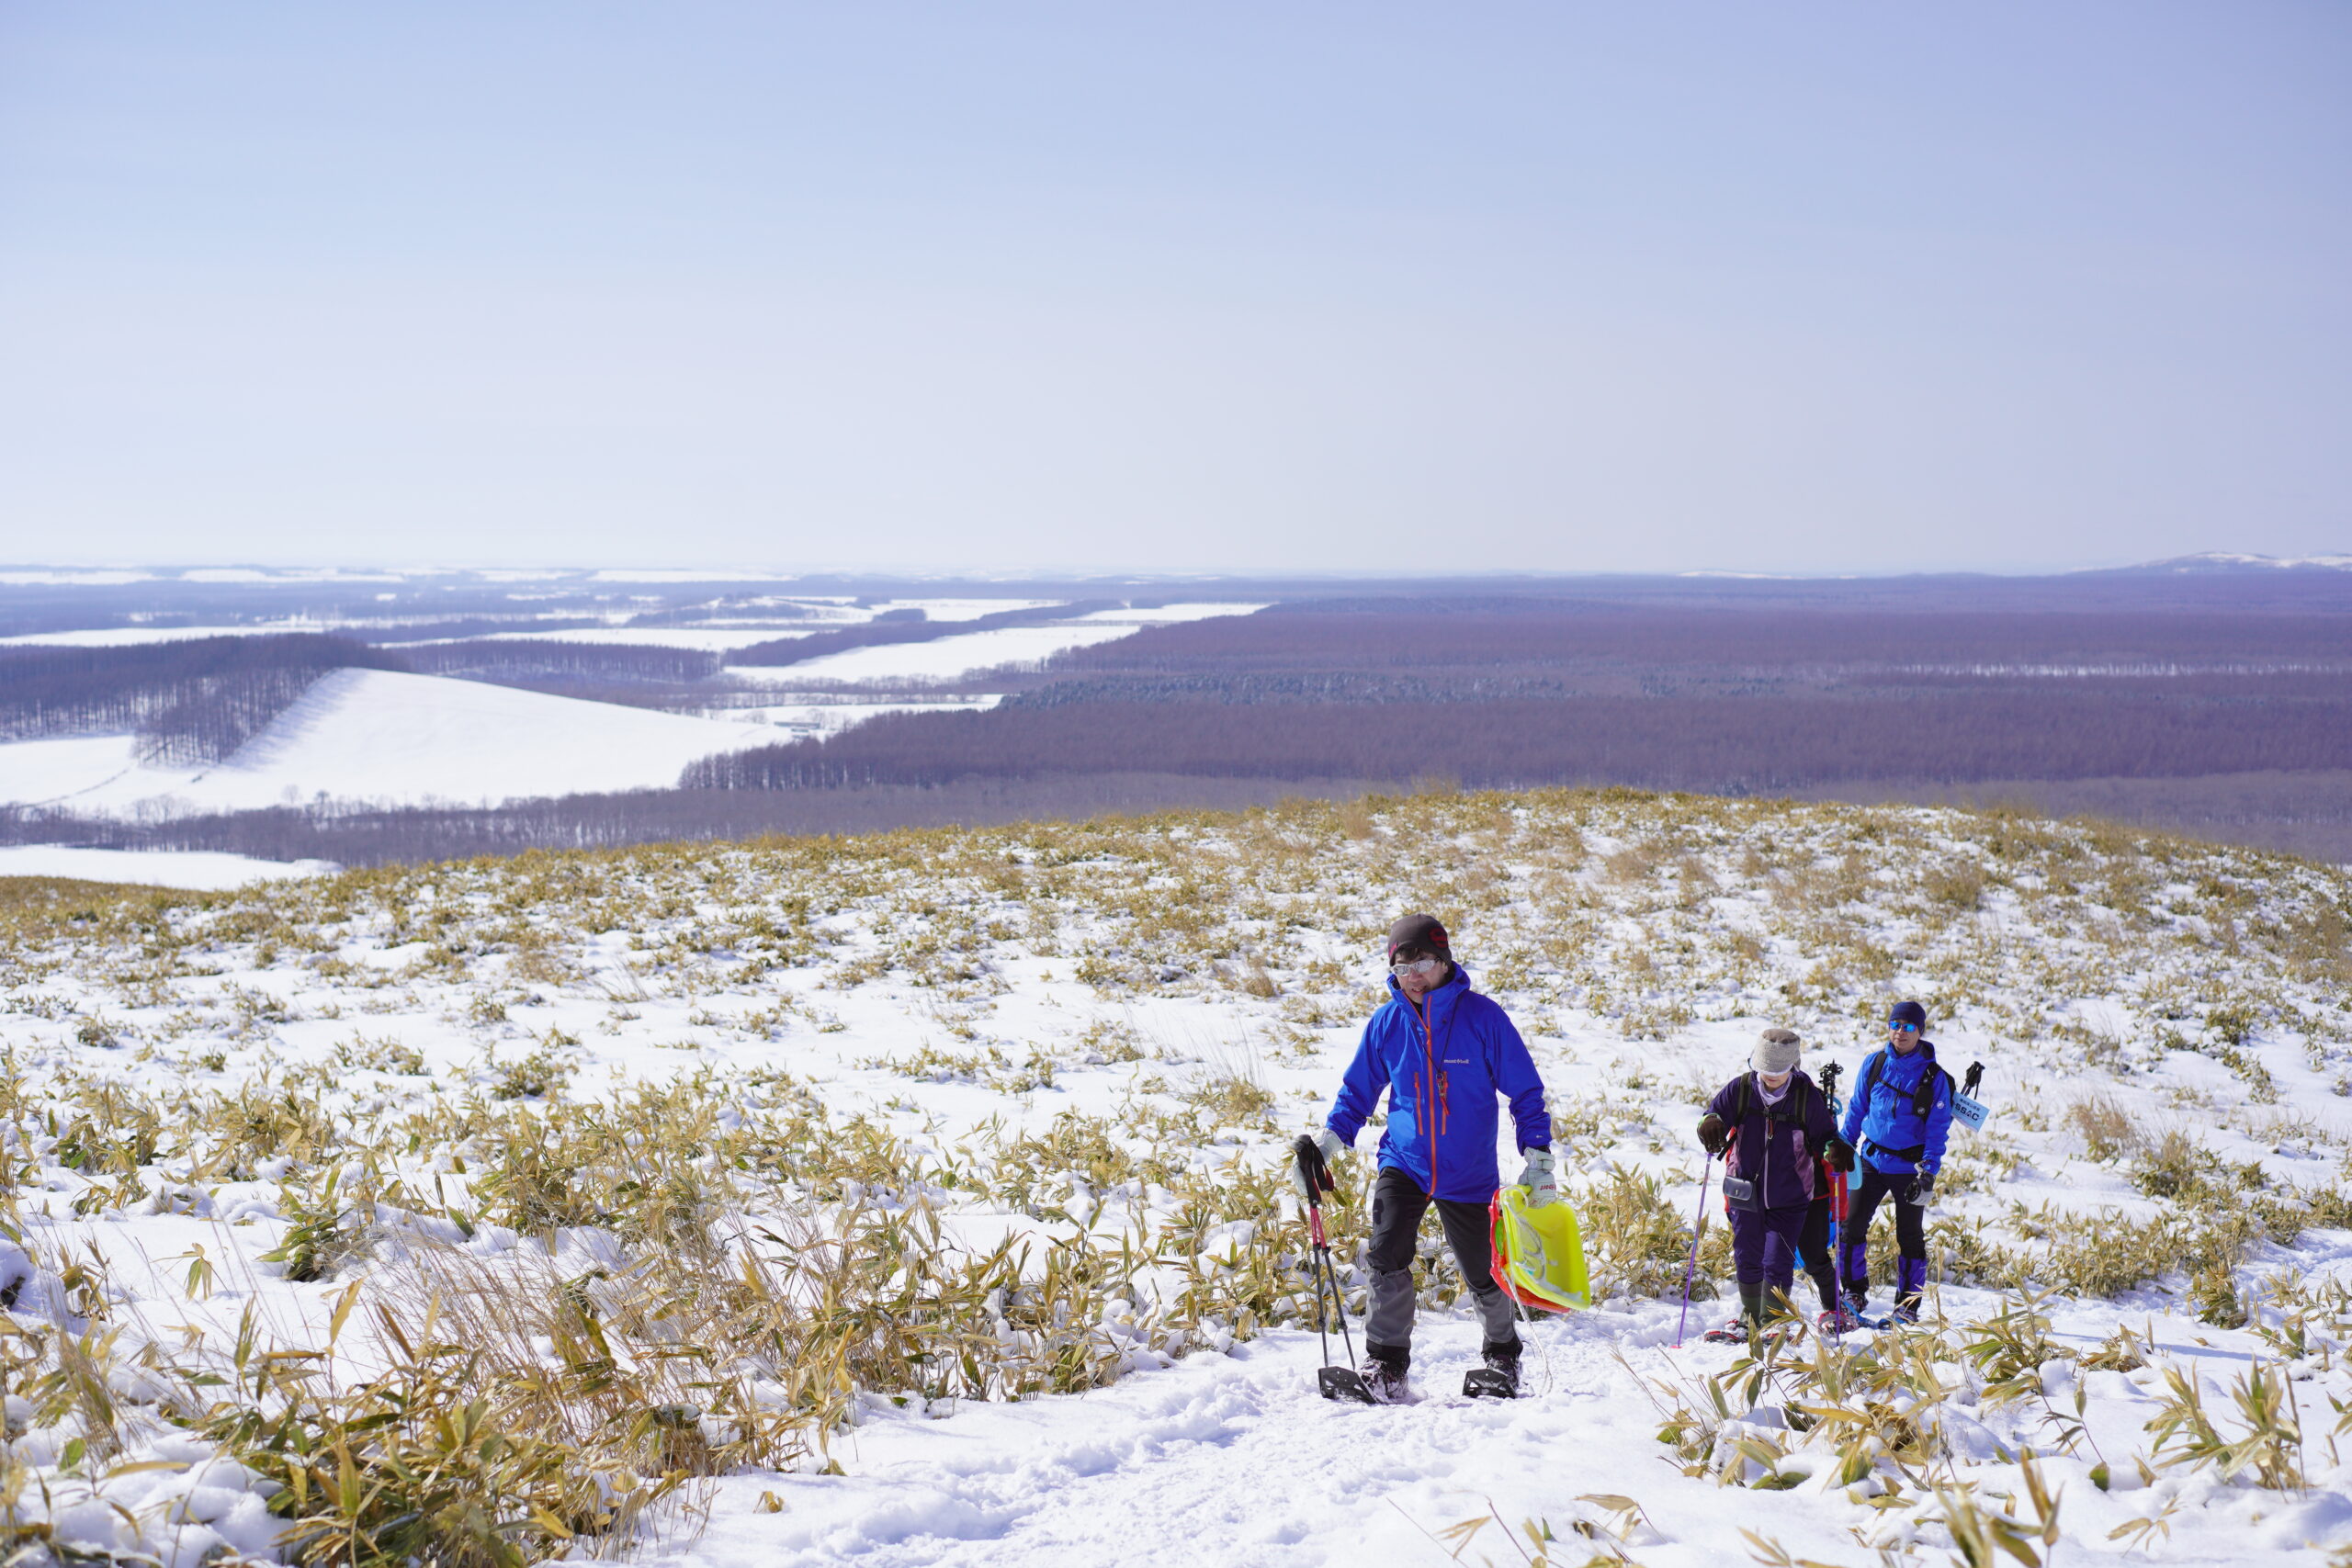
x: 2232, y: 561
x: 378, y: 735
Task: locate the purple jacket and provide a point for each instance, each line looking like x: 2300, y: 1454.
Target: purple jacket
x: 1777, y: 1150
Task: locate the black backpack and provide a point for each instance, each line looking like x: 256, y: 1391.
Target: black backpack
x: 1790, y: 1108
x: 1923, y: 1096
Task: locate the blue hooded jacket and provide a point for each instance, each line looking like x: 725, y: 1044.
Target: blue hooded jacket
x: 1884, y: 1116
x: 1443, y: 1075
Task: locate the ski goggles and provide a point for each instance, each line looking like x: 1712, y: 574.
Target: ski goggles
x: 1409, y: 968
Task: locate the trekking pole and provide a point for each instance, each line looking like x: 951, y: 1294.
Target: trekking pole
x: 1315, y: 1179
x: 1697, y: 1224
x: 1837, y: 1214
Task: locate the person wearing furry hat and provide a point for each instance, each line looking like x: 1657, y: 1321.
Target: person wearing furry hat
x: 1777, y: 1127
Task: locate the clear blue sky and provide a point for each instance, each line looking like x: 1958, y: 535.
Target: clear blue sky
x: 1186, y: 287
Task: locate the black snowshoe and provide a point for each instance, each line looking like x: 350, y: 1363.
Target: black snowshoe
x: 1498, y: 1379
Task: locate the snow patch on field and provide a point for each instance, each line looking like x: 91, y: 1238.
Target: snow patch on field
x: 133, y: 637
x: 199, y: 870
x: 950, y: 658
x: 378, y: 735
x: 812, y: 717
x: 40, y: 772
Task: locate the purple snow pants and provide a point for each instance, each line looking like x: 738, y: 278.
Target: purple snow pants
x: 1764, y: 1245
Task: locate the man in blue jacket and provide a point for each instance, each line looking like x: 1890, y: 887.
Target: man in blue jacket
x: 1443, y: 1053
x: 1898, y: 1118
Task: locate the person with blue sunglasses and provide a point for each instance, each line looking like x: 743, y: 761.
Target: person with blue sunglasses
x: 1899, y: 1119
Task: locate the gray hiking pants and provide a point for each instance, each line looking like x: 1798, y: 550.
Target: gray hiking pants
x: 1398, y: 1205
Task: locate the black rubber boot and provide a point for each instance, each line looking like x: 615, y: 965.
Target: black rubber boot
x: 1751, y: 1312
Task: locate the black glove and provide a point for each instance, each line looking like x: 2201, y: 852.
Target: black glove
x: 1312, y: 1173
x: 1714, y: 1136
x: 1920, y: 1189
x: 1839, y: 1154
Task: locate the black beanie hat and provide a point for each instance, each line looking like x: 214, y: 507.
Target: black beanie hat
x: 1419, y: 930
x: 1908, y: 1012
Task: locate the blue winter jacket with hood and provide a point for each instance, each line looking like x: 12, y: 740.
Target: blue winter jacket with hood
x: 1442, y: 1064
x: 1886, y: 1119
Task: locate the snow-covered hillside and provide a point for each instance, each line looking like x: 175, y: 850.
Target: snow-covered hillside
x: 378, y: 735
x: 209, y: 869
x: 917, y: 1200
x: 944, y: 659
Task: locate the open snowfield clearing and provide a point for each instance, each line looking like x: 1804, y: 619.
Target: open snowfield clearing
x: 130, y: 637
x: 378, y: 735
x: 811, y: 717
x: 704, y: 640
x: 919, y: 1199
x: 209, y: 869
x: 947, y: 657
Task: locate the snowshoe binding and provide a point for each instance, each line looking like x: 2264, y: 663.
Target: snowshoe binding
x: 1732, y: 1333
x: 1833, y: 1322
x: 1498, y: 1379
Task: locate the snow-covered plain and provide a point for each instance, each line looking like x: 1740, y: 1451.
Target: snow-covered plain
x: 304, y: 1118
x: 209, y: 869
x: 133, y: 637
x: 814, y: 715
x: 949, y: 657
x: 381, y: 737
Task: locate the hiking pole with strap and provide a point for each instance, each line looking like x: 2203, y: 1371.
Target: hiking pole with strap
x: 1698, y: 1226
x: 1314, y: 1181
x: 1836, y: 1212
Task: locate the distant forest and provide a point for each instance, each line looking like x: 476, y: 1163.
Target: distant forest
x: 197, y: 700
x: 1723, y: 745
x: 2159, y: 699
x: 187, y: 701
x: 894, y: 627
x: 1539, y: 693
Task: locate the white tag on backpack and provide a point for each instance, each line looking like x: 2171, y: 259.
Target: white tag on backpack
x: 1972, y: 1114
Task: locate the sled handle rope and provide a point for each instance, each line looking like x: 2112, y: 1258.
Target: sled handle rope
x: 1698, y: 1224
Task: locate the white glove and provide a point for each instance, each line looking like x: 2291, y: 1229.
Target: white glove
x: 1543, y: 1187
x: 1326, y: 1144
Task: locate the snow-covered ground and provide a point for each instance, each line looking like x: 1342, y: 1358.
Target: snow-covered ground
x: 195, y: 869
x: 811, y: 716
x: 518, y: 1092
x: 948, y: 658
x: 131, y: 637
x: 706, y: 640
x: 378, y: 735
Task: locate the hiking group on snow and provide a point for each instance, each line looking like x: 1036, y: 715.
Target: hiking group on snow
x: 1445, y: 1054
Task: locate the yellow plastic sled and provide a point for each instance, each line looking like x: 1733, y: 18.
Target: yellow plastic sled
x: 1539, y: 1253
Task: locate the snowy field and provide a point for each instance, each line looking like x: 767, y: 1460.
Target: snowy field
x: 378, y: 735
x: 814, y: 715
x: 948, y: 658
x: 385, y: 737
x: 919, y: 1199
x: 204, y: 870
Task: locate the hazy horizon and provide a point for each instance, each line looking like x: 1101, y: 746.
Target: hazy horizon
x: 1043, y: 290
